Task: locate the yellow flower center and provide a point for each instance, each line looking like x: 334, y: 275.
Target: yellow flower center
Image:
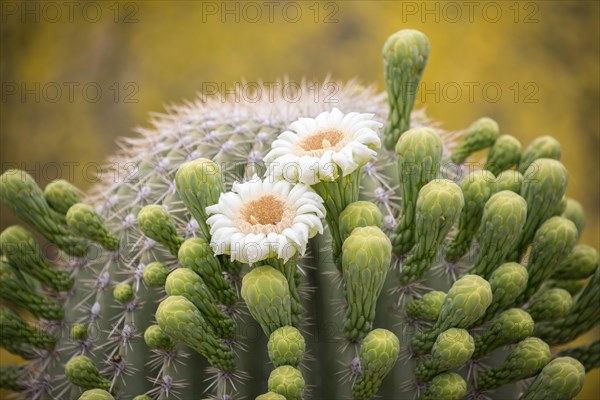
x: 265, y: 214
x: 317, y: 143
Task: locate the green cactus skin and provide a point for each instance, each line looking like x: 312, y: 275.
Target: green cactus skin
x: 157, y: 224
x: 510, y: 327
x: 447, y: 386
x: 359, y: 215
x: 466, y: 302
x: 419, y: 153
x: 61, y: 195
x: 12, y: 378
x: 270, y: 396
x: 287, y: 381
x: 451, y: 349
x: 505, y: 153
x: 503, y: 219
x: 581, y: 263
x: 155, y: 274
x: 509, y: 180
x: 588, y: 355
x: 482, y: 134
x: 185, y: 282
x: 508, y: 281
x: 157, y: 339
x: 477, y: 189
x: 550, y: 303
x: 542, y: 147
x: 18, y: 337
x: 427, y: 307
x: 574, y: 212
x: 286, y: 346
x: 561, y: 379
x: 438, y: 206
x: 85, y: 221
x: 82, y: 371
x: 366, y: 257
x: 527, y: 358
x: 181, y: 320
x: 405, y: 55
x: 24, y: 253
x: 96, y: 394
x: 378, y: 354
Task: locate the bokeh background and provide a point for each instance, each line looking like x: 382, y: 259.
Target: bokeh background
x: 76, y: 77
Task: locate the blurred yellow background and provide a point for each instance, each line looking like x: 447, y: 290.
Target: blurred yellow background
x: 75, y: 77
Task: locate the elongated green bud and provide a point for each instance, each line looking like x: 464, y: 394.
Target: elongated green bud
x: 96, y: 394
x: 267, y: 295
x: 542, y: 147
x: 23, y: 197
x: 85, y: 221
x: 24, y: 253
x: 573, y: 286
x: 588, y: 355
x: 366, y: 257
x: 13, y: 377
x: 286, y: 347
x: 581, y: 263
x: 123, y: 292
x: 196, y: 254
x: 405, y: 55
x: 466, y: 302
x: 427, y: 307
x: 527, y: 359
x: 502, y: 223
x: 61, y: 195
x: 378, y: 354
x: 477, y: 189
x: 447, y: 386
x: 508, y: 281
x: 270, y: 396
x: 359, y: 214
x: 199, y: 184
x: 438, y: 206
x: 181, y: 320
x: 510, y: 327
x: 561, y: 207
x: 480, y: 135
x: 18, y: 335
x: 553, y: 241
x: 82, y: 371
x: 548, y: 304
x: 157, y: 339
x: 16, y: 290
x: 419, y: 153
x: 79, y: 332
x: 451, y: 349
x: 543, y: 188
x: 509, y: 180
x: 505, y: 153
x: 155, y: 274
x: 287, y: 381
x: 574, y: 211
x: 156, y: 223
x: 185, y: 282
x: 562, y: 378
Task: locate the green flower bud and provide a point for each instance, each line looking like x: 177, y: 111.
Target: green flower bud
x: 142, y: 397
x: 405, y: 55
x: 427, y: 307
x: 480, y: 135
x: 185, y: 282
x: 543, y: 188
x: 24, y: 253
x: 18, y: 337
x: 588, y: 355
x: 123, y: 293
x: 267, y: 295
x: 359, y: 214
x: 509, y: 180
x: 509, y: 327
x: 157, y: 339
x: 548, y: 304
x: 378, y: 354
x: 574, y: 211
x: 286, y: 346
x: 23, y: 197
x: 508, y: 281
x: 156, y: 223
x: 438, y: 206
x: 542, y: 147
x: 61, y: 195
x: 155, y: 274
x: 466, y: 302
x: 79, y: 332
x: 581, y: 263
x: 96, y: 394
x: 573, y: 286
x: 287, y: 381
x: 477, y: 189
x: 13, y: 377
x: 196, y: 254
x: 451, y: 349
x: 270, y: 396
x: 561, y: 207
x: 419, y: 152
x: 446, y: 386
x: 505, y: 153
x: 527, y: 359
x: 181, y: 320
x: 562, y: 378
x: 82, y: 371
x: 85, y: 221
x: 366, y: 257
